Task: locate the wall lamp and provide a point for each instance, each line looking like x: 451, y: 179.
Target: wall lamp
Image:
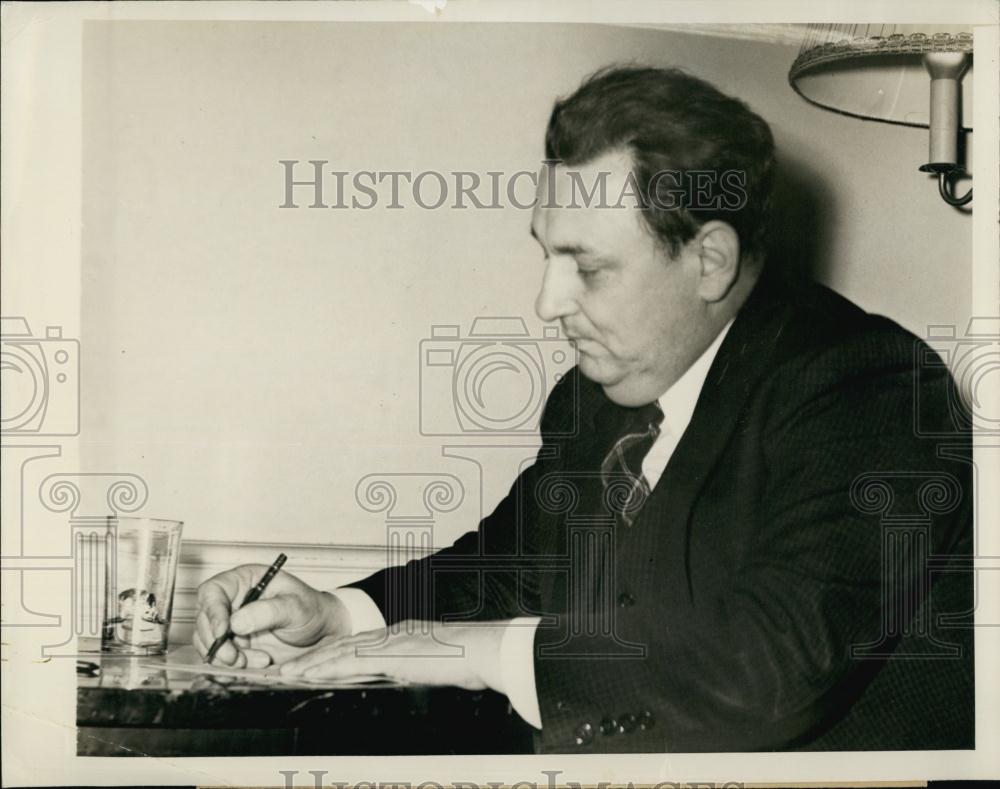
x: 881, y: 72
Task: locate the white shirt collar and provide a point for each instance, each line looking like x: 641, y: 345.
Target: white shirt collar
x: 679, y: 401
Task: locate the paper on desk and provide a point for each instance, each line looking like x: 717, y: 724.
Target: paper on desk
x: 187, y: 659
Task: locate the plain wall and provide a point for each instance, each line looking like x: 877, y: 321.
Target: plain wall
x: 253, y: 363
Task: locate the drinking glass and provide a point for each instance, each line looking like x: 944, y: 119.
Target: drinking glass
x: 141, y: 557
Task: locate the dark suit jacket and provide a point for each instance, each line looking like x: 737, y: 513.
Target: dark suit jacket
x: 773, y: 591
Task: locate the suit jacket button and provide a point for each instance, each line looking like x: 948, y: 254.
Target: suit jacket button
x: 584, y: 734
x: 626, y: 600
x: 608, y: 727
x: 646, y: 720
x: 627, y: 723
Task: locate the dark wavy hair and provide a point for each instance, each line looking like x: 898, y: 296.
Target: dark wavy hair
x: 670, y: 121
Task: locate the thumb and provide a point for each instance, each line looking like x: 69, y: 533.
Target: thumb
x: 272, y: 613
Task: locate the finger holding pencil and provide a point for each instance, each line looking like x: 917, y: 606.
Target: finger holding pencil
x: 252, y: 596
x: 255, y: 615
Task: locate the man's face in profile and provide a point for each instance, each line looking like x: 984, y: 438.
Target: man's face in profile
x: 633, y: 309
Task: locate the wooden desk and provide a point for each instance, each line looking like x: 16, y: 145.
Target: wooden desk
x: 131, y: 710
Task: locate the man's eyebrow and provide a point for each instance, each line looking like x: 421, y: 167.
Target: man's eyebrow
x: 563, y: 249
x: 573, y: 249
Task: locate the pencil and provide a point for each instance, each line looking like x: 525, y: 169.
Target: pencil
x: 252, y: 595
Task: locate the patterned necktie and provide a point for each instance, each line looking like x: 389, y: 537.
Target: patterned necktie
x: 625, y: 487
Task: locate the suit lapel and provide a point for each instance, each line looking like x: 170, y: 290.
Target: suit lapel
x: 742, y: 361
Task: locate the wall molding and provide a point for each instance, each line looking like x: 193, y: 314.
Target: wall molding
x: 307, y: 556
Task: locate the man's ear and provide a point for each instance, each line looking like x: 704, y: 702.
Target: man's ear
x: 718, y: 248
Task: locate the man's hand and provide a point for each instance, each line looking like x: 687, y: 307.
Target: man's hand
x: 288, y: 619
x: 424, y: 653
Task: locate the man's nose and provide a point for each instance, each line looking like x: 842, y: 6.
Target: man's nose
x: 556, y: 297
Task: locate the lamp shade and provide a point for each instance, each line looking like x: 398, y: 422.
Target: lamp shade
x: 877, y: 71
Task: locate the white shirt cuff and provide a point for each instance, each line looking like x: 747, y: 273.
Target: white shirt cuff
x: 517, y: 668
x: 364, y: 614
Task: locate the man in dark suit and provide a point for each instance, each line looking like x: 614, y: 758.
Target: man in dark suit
x: 727, y: 539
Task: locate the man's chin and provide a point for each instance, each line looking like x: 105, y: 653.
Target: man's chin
x: 621, y: 388
x: 598, y: 372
